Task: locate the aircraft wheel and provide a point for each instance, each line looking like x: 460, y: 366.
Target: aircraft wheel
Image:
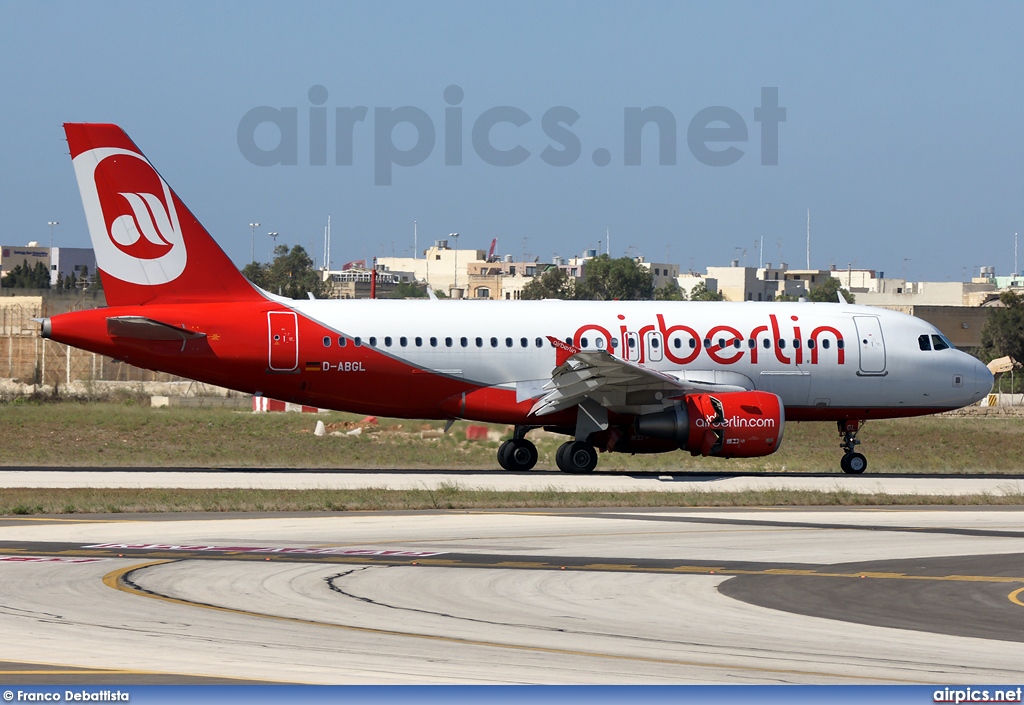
x: 520, y: 455
x: 853, y: 463
x: 503, y: 450
x: 576, y: 457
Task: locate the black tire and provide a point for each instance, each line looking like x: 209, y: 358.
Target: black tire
x: 576, y: 457
x: 503, y: 450
x: 520, y: 456
x: 854, y: 464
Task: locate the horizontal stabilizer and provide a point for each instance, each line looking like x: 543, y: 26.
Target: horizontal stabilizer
x: 142, y: 328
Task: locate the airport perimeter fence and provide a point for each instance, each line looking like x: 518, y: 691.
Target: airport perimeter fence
x: 27, y: 358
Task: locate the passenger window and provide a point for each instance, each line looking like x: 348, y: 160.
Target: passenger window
x: 419, y: 341
x: 464, y: 342
x: 327, y: 341
x: 433, y: 342
x: 825, y: 343
x: 403, y: 341
x: 523, y: 342
x: 796, y: 343
x: 939, y: 343
x: 654, y: 343
x: 782, y: 344
x: 736, y: 343
x: 583, y: 342
x: 599, y: 343
x: 341, y: 342
x: 448, y: 342
x: 631, y: 343
x: 373, y: 341
x: 677, y: 343
x: 387, y: 341
x: 479, y: 342
x: 707, y: 343
x: 766, y: 344
x: 751, y: 343
x: 924, y: 342
x: 494, y: 342
x: 508, y: 342
x: 810, y: 343
x: 840, y: 344
x: 539, y: 342
x: 721, y: 343
x: 615, y: 343
x: 693, y: 343
x: 357, y: 341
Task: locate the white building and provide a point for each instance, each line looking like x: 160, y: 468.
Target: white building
x: 441, y: 267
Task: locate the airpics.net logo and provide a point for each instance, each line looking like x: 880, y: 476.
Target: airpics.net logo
x: 715, y: 136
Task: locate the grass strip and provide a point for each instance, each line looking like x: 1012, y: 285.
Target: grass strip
x: 32, y: 501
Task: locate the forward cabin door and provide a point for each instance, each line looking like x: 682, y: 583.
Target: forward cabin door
x: 283, y: 341
x: 871, y: 345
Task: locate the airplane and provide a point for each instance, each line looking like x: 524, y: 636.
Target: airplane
x: 712, y: 378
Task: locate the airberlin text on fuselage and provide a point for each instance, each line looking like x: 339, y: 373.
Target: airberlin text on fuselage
x: 727, y: 354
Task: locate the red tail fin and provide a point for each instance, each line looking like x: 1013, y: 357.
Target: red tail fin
x: 149, y: 247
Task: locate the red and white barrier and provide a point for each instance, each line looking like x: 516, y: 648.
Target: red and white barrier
x: 262, y: 405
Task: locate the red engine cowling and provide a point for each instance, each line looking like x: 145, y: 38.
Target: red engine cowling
x: 729, y: 425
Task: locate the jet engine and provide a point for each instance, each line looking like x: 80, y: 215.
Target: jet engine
x: 729, y: 425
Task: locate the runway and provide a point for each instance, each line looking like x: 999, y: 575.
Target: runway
x: 571, y: 596
x: 292, y: 479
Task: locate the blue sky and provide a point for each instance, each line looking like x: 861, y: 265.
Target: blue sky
x: 903, y: 130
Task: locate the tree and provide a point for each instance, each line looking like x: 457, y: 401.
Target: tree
x: 701, y: 293
x: 552, y: 284
x: 669, y: 291
x: 826, y: 291
x: 607, y: 279
x: 25, y: 277
x: 1003, y: 333
x: 408, y: 290
x: 291, y: 274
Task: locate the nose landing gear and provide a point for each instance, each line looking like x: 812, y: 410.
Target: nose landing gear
x: 852, y: 463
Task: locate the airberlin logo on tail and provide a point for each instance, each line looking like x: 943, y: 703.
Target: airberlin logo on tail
x: 132, y: 219
x: 145, y: 233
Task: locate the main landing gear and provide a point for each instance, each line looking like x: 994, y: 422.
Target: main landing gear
x: 576, y: 457
x: 518, y: 454
x: 852, y: 463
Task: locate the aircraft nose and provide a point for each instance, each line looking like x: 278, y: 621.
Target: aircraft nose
x: 983, y: 380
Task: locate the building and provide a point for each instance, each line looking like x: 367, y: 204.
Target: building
x: 354, y: 283
x: 13, y: 255
x: 73, y: 261
x: 661, y: 272
x: 441, y: 267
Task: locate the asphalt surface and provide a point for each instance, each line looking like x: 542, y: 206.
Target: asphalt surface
x: 620, y: 596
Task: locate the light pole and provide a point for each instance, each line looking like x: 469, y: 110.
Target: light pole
x: 455, y: 236
x: 273, y: 235
x: 51, y: 223
x: 252, y: 244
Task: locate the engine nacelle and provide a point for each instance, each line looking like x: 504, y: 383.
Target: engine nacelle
x: 730, y: 424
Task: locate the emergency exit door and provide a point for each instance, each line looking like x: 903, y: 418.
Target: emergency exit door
x: 283, y: 341
x: 871, y: 344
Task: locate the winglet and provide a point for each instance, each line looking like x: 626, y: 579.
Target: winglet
x: 842, y: 299
x: 563, y: 351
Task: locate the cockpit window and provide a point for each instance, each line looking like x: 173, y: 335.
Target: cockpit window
x: 924, y: 342
x: 940, y: 343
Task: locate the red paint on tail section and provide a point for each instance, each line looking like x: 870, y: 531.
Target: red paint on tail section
x: 149, y: 247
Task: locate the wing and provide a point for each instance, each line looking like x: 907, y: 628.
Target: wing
x: 620, y: 385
